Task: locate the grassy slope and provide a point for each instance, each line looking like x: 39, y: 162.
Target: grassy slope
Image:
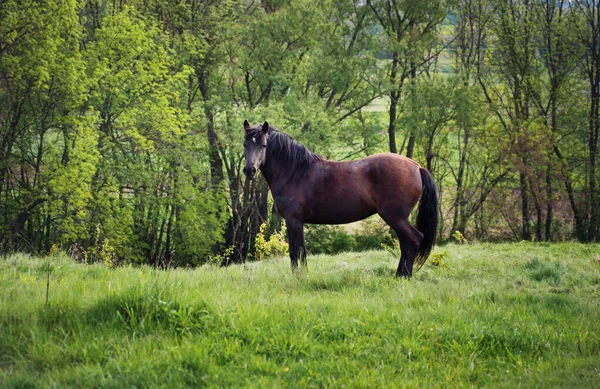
x: 510, y: 315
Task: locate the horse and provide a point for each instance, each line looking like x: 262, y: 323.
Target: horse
x: 309, y: 189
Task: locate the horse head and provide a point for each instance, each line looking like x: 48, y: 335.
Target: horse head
x: 255, y: 147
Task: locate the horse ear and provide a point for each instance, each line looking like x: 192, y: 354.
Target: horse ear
x: 265, y: 128
x: 246, y: 125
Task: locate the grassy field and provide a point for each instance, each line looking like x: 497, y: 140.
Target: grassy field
x: 504, y: 315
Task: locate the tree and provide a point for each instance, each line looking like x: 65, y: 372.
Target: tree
x: 478, y: 170
x: 589, y: 34
x: 509, y: 89
x: 410, y: 37
x: 559, y: 53
x: 40, y: 83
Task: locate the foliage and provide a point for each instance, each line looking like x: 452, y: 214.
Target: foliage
x: 459, y: 237
x: 120, y: 122
x: 324, y: 239
x: 220, y: 258
x: 276, y: 245
x: 101, y: 252
x: 437, y: 259
x: 328, y: 239
x: 393, y: 248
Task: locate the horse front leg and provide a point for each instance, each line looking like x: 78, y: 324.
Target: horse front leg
x: 295, y: 231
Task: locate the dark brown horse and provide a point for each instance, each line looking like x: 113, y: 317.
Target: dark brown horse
x: 307, y: 188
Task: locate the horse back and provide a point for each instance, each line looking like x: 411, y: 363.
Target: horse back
x: 391, y: 178
x: 342, y: 192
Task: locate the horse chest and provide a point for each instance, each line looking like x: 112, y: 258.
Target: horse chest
x: 286, y: 204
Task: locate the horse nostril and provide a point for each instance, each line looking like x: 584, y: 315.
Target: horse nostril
x: 250, y: 171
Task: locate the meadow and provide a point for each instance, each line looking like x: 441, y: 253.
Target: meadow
x: 519, y: 315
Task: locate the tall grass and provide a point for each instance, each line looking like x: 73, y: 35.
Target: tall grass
x: 510, y: 315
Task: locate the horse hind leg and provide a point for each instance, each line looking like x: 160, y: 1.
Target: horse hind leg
x: 410, y: 240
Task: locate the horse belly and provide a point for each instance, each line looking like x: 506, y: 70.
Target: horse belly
x: 337, y: 217
x: 342, y: 208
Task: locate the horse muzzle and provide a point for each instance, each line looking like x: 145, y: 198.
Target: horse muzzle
x: 250, y: 172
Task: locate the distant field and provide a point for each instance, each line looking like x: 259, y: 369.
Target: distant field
x: 380, y: 104
x: 501, y: 316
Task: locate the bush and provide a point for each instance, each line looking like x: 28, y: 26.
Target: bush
x: 371, y: 242
x: 324, y: 239
x: 276, y: 245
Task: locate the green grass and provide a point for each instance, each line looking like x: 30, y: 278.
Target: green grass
x: 505, y: 315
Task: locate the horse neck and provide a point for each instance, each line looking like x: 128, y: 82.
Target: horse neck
x: 286, y: 161
x: 272, y: 172
x: 278, y: 173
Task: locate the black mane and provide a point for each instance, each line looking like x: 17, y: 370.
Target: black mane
x: 285, y: 151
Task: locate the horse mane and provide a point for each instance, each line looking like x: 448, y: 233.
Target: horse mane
x: 286, y: 151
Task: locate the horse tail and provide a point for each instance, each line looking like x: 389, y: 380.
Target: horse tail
x: 427, y: 217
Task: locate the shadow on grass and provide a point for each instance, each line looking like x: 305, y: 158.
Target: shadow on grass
x: 134, y: 311
x: 549, y: 271
x: 341, y: 280
x: 383, y: 271
x: 153, y: 313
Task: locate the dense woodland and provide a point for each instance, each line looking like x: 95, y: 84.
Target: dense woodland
x: 121, y: 121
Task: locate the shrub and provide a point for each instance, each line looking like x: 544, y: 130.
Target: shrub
x: 276, y: 245
x: 324, y: 239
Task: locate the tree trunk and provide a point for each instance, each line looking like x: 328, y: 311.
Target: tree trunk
x: 593, y: 150
x: 394, y: 97
x: 526, y: 231
x: 540, y: 221
x: 168, y: 243
x: 410, y: 149
x: 549, y: 207
x: 216, y: 164
x: 459, y: 202
x: 580, y: 225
